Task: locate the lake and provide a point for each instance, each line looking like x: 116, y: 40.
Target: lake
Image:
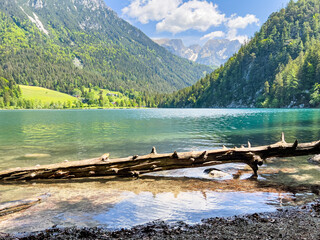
x: 28, y: 138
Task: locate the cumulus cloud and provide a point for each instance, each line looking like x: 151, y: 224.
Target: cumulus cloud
x: 235, y: 22
x: 150, y: 10
x: 177, y: 16
x: 242, y: 22
x: 233, y: 35
x: 212, y: 35
x: 195, y: 14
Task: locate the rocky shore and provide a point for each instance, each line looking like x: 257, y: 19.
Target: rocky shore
x: 301, y: 222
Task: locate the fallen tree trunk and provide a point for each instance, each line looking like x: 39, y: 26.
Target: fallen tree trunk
x: 136, y: 165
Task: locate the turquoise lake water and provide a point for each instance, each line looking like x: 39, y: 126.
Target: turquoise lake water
x: 80, y: 134
x: 28, y: 138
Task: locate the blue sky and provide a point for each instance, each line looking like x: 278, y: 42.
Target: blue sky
x: 196, y: 21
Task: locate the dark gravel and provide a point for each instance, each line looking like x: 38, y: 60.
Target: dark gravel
x: 289, y: 223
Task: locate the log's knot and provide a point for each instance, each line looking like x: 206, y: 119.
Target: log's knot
x: 258, y: 160
x: 154, y: 150
x: 33, y: 175
x: 175, y: 155
x: 135, y: 157
x: 255, y: 158
x: 105, y: 157
x: 295, y: 145
x: 135, y: 173
x: 115, y: 170
x: 61, y: 172
x: 204, y: 156
x: 225, y: 155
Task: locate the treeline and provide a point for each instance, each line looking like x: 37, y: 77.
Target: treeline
x: 11, y: 97
x: 9, y: 92
x: 279, y: 67
x: 96, y: 97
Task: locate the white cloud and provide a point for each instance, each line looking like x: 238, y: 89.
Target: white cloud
x: 177, y: 16
x: 233, y: 35
x: 234, y: 23
x: 195, y: 14
x: 242, y: 22
x: 150, y: 10
x: 212, y: 35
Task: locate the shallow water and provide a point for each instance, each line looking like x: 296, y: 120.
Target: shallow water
x: 28, y: 138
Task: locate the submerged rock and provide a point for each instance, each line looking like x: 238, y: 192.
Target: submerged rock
x: 315, y: 160
x: 37, y: 155
x: 216, y: 173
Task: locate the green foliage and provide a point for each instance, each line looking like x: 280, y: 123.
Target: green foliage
x: 85, y: 47
x: 315, y: 96
x: 278, y: 67
x: 9, y: 93
x: 96, y: 97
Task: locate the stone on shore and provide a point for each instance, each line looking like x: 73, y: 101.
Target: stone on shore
x: 315, y: 159
x: 216, y: 173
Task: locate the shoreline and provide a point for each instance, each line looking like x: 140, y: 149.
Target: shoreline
x: 59, y: 109
x: 136, y: 108
x: 298, y: 222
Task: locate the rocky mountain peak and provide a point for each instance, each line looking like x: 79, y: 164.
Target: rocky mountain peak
x: 213, y: 53
x: 37, y: 4
x: 91, y: 4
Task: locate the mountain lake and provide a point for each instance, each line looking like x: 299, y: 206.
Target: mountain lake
x: 31, y: 137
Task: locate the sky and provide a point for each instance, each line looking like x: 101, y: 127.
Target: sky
x: 197, y: 21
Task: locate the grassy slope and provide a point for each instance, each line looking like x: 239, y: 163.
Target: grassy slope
x: 45, y: 95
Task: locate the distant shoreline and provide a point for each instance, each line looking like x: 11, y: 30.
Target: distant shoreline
x: 32, y: 109
x: 127, y: 108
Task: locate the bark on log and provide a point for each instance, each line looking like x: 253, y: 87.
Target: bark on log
x: 136, y: 165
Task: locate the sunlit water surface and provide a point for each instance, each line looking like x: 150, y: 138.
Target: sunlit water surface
x: 28, y: 138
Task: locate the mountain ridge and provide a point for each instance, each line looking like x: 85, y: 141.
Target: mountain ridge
x: 213, y: 53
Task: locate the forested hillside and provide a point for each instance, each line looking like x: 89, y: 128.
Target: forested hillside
x: 66, y: 44
x: 279, y: 67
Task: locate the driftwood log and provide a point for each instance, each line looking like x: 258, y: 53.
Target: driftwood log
x: 20, y: 205
x: 136, y: 165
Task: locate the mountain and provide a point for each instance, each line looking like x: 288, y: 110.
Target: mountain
x: 67, y: 44
x: 177, y: 47
x: 214, y: 52
x: 279, y: 67
x: 217, y: 51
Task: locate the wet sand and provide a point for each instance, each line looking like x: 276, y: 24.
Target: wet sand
x: 301, y: 222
